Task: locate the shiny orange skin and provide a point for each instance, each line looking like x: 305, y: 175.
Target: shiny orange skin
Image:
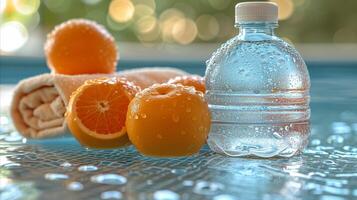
x: 196, y: 81
x: 96, y: 112
x: 168, y: 120
x: 81, y: 46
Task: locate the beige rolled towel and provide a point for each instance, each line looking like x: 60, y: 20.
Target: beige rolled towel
x: 39, y: 103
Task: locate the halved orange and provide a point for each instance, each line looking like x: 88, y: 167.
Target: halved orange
x: 97, y: 110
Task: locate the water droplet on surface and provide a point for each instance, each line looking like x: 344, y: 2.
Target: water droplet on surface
x: 165, y: 195
x: 315, y: 142
x: 56, y: 176
x: 75, y: 186
x: 224, y: 197
x: 340, y: 127
x: 329, y: 162
x: 66, y: 165
x: 347, y: 148
x: 13, y: 137
x: 149, y: 182
x: 11, y: 165
x: 111, y: 195
x: 179, y: 171
x: 87, y: 168
x: 207, y: 188
x: 187, y: 183
x: 335, y: 139
x: 109, y: 179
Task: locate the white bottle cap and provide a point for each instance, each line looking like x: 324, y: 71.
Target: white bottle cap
x: 256, y: 11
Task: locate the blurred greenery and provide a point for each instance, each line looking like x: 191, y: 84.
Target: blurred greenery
x: 185, y: 21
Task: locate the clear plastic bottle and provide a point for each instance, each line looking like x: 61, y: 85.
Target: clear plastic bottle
x: 257, y: 89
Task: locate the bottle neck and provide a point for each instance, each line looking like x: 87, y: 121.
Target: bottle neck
x: 256, y: 30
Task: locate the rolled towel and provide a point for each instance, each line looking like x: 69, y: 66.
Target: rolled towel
x: 39, y: 103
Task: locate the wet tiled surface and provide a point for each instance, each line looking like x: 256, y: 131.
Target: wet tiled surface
x: 61, y: 169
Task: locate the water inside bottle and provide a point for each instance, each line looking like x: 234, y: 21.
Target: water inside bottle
x: 258, y: 94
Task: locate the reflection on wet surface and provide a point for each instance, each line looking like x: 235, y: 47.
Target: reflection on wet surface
x: 61, y: 169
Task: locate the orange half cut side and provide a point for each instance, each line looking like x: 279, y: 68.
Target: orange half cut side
x: 97, y: 112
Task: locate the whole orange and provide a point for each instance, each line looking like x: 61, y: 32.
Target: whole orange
x: 81, y: 46
x: 168, y: 120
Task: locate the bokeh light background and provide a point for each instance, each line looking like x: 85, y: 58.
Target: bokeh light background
x: 25, y: 23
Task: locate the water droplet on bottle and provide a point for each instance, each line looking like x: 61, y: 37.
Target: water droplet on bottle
x: 87, y: 168
x: 188, y: 110
x: 109, y: 179
x: 56, y: 176
x: 111, y: 195
x: 165, y: 195
x: 136, y: 116
x: 143, y: 115
x: 277, y: 135
x: 75, y: 186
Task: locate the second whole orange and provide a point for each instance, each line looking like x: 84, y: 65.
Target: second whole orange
x: 168, y: 120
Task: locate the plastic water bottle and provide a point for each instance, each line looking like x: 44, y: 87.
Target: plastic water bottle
x: 257, y: 89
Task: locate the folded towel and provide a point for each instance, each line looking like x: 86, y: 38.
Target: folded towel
x: 39, y: 103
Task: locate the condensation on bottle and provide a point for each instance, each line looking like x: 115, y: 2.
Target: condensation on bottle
x: 258, y: 89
